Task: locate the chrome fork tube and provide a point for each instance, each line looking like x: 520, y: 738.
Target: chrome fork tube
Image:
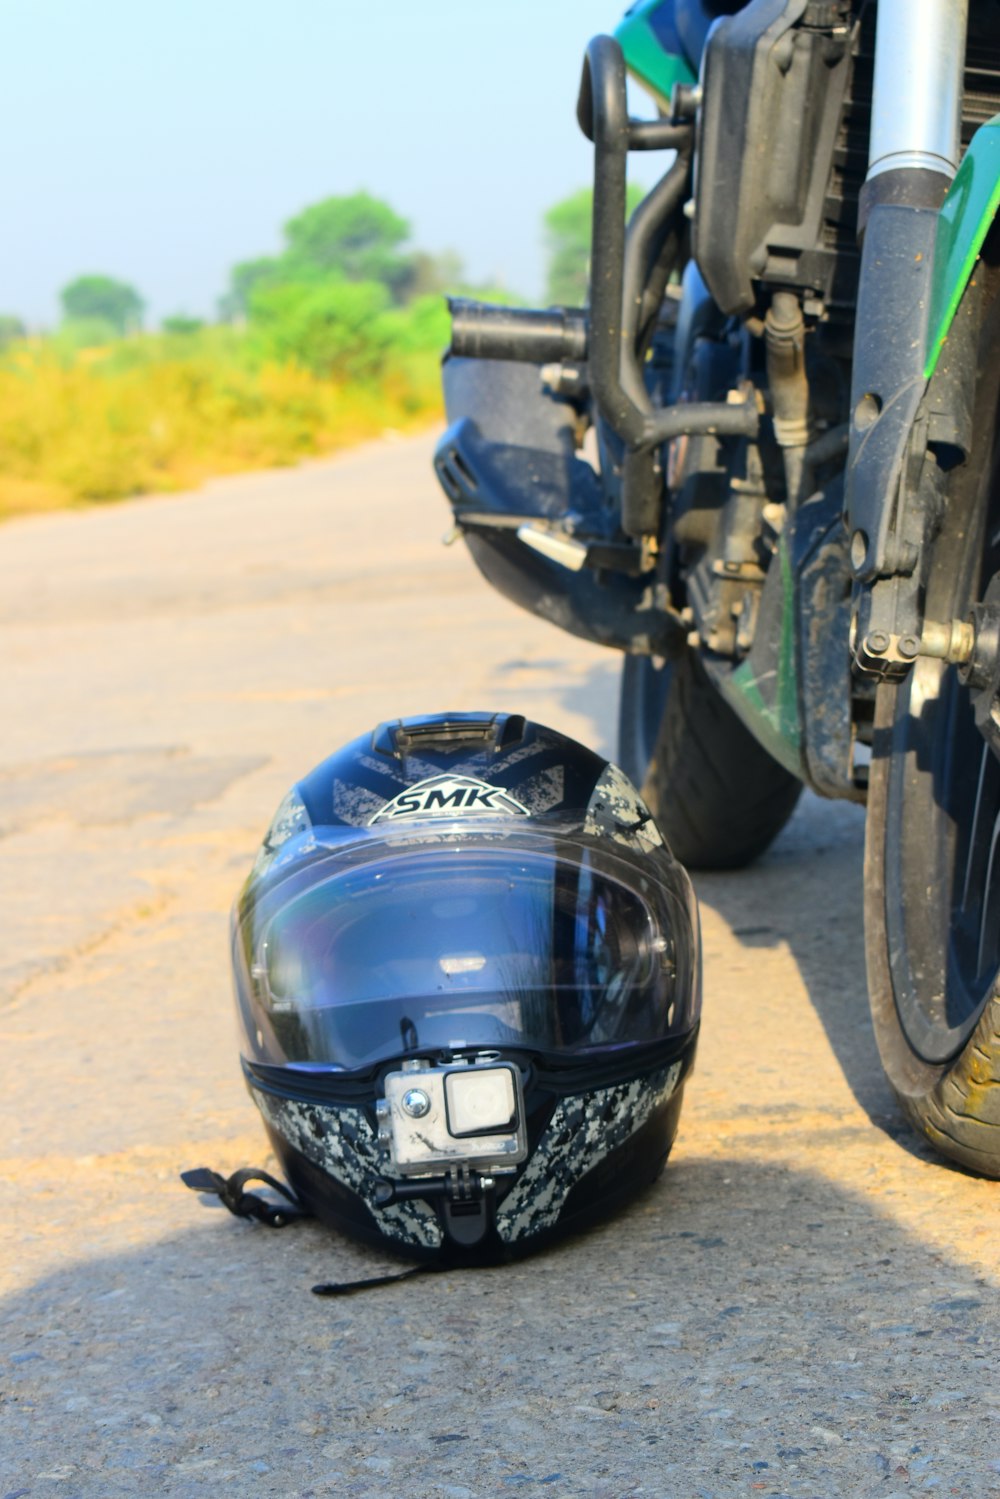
x: 917, y: 102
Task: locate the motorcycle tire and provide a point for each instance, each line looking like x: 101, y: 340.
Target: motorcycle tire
x: 932, y: 851
x: 717, y: 794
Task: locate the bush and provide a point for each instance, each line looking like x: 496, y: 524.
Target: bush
x: 333, y: 340
x: 424, y: 326
x: 158, y: 412
x: 182, y: 325
x: 336, y: 327
x: 84, y: 333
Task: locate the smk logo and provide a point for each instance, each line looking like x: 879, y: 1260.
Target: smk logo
x: 450, y: 796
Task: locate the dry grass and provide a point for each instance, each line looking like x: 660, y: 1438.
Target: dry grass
x: 158, y: 413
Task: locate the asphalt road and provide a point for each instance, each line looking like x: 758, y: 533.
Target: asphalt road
x: 804, y: 1305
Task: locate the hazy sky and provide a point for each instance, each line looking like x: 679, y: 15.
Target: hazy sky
x: 162, y: 142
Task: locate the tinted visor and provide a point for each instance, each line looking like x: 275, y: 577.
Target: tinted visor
x: 557, y: 948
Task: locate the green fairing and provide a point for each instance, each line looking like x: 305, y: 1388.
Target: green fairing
x: 774, y: 723
x: 645, y: 56
x: 966, y: 215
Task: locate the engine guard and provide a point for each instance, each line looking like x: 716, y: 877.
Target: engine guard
x: 534, y: 514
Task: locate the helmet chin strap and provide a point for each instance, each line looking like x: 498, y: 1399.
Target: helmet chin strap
x: 348, y: 1287
x: 242, y: 1204
x: 229, y: 1190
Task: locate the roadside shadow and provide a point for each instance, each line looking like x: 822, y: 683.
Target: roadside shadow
x: 742, y: 1326
x: 806, y: 892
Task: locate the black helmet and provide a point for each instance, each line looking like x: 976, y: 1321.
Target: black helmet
x: 468, y: 976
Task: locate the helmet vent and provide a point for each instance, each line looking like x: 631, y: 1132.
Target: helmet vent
x: 449, y: 732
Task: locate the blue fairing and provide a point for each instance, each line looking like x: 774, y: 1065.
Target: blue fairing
x: 683, y: 25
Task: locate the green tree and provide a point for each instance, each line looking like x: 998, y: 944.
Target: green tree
x: 423, y: 325
x: 567, y: 241
x: 79, y: 333
x: 104, y: 298
x: 266, y: 270
x: 179, y: 322
x: 355, y: 238
x: 332, y: 328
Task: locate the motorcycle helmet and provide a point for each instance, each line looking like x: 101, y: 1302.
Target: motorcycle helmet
x: 467, y: 971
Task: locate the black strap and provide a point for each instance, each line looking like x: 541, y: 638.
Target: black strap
x: 243, y: 1204
x: 348, y: 1287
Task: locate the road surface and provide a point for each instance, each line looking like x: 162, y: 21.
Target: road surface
x: 804, y: 1305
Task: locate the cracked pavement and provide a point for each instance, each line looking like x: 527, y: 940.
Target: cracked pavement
x: 804, y: 1305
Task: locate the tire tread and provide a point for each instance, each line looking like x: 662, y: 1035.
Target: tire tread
x: 716, y: 792
x: 955, y: 1106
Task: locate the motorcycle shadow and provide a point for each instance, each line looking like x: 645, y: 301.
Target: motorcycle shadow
x: 805, y: 895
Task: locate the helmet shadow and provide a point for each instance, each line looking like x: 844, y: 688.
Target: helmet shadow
x: 741, y: 1324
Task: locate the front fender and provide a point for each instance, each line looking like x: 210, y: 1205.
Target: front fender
x: 966, y: 215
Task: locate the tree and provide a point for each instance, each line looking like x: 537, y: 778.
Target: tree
x: 332, y: 327
x: 354, y: 238
x: 567, y: 237
x: 357, y: 239
x: 435, y: 273
x: 266, y: 270
x: 179, y: 322
x: 85, y: 333
x: 103, y: 297
x: 423, y: 325
x: 11, y: 329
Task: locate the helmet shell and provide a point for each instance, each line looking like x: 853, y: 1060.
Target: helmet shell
x: 372, y: 780
x: 517, y: 819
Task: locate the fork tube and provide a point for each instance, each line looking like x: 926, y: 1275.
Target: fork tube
x: 917, y: 102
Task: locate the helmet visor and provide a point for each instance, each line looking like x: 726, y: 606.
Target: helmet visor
x: 557, y: 948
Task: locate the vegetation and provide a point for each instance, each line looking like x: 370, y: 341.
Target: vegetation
x: 334, y: 339
x: 103, y: 299
x: 567, y: 237
x: 352, y: 239
x: 169, y: 410
x: 179, y: 322
x: 11, y: 329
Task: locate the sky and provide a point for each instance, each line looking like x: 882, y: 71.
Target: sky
x: 163, y: 142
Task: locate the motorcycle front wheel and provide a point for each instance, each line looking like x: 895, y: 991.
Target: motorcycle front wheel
x: 932, y: 853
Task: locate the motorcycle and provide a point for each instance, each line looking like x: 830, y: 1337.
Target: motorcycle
x: 763, y: 462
